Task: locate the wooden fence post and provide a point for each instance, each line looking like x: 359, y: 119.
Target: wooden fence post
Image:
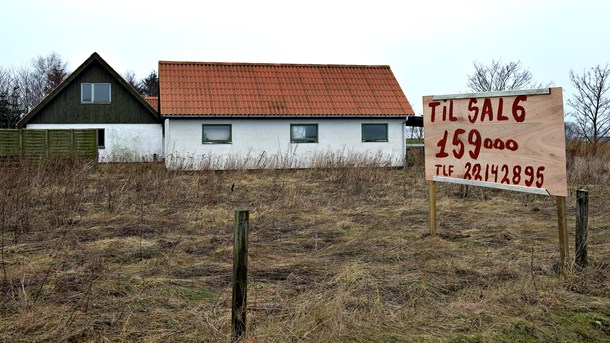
x: 582, y: 222
x: 240, y: 274
x: 72, y: 144
x: 564, y: 250
x: 21, y: 155
x: 432, y: 206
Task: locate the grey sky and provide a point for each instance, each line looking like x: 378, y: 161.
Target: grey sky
x: 429, y: 44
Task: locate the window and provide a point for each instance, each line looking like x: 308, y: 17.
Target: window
x: 216, y: 133
x: 304, y: 133
x: 101, y: 141
x: 95, y: 93
x: 374, y: 132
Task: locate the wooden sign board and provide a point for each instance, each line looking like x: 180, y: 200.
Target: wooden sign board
x: 511, y: 140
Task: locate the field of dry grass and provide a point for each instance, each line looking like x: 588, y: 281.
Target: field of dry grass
x: 123, y: 253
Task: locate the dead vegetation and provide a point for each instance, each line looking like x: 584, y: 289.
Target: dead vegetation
x: 133, y: 252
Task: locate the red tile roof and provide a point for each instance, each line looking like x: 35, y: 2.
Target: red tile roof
x: 200, y: 88
x: 153, y: 101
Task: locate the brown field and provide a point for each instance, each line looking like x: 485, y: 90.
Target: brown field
x: 135, y: 253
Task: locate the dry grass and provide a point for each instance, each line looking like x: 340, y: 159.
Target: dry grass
x: 133, y: 252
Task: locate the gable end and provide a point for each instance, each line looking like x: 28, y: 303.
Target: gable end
x: 63, y: 105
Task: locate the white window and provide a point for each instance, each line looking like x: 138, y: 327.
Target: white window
x: 95, y: 93
x: 216, y: 133
x: 304, y: 133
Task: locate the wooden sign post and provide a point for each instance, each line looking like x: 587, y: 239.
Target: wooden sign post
x: 511, y: 140
x: 240, y: 274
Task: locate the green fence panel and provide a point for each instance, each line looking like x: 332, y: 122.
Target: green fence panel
x: 9, y: 143
x: 59, y: 143
x: 85, y: 144
x: 34, y: 144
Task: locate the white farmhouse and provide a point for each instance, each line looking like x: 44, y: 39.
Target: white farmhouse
x: 242, y: 115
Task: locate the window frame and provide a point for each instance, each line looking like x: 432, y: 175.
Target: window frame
x: 217, y: 141
x: 369, y: 140
x: 93, y: 85
x: 304, y: 140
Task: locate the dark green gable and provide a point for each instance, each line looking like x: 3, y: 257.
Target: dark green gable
x: 63, y: 105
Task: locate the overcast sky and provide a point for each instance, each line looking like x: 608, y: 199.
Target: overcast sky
x: 429, y: 44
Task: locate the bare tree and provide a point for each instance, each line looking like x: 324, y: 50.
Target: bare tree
x: 25, y: 84
x: 6, y: 79
x: 499, y: 76
x: 9, y: 111
x: 48, y: 71
x: 571, y: 131
x: 591, y: 104
x: 34, y: 82
x: 131, y: 78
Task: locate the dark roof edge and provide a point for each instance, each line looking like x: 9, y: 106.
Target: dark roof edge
x: 94, y: 57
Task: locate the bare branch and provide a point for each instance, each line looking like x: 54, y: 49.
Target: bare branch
x: 590, y: 103
x: 131, y: 78
x: 499, y: 76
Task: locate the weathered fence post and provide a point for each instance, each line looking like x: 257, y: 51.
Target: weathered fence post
x: 582, y: 223
x: 564, y: 251
x: 432, y: 206
x: 240, y: 274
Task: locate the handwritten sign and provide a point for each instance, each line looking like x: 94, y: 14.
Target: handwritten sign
x: 512, y: 140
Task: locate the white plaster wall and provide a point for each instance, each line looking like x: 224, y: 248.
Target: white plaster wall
x: 265, y: 143
x: 123, y: 142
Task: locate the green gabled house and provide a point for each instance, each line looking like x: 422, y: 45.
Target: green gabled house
x: 95, y: 96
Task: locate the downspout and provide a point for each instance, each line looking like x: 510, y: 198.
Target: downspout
x: 404, y: 142
x: 166, y: 139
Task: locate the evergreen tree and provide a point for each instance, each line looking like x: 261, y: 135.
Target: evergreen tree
x: 150, y: 84
x: 9, y: 111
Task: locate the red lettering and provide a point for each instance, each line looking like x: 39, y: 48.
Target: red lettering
x: 433, y: 105
x: 458, y: 142
x: 516, y: 174
x: 488, y: 143
x: 539, y: 177
x: 476, y: 172
x: 505, y: 178
x: 500, y: 109
x: 438, y: 168
x: 474, y: 138
x: 529, y: 172
x: 512, y: 145
x: 467, y: 175
x: 494, y: 171
x: 441, y: 144
x: 451, y: 116
x: 499, y: 144
x: 487, y: 110
x: 471, y: 108
x: 519, y: 111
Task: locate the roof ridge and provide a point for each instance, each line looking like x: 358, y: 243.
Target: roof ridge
x: 383, y: 66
